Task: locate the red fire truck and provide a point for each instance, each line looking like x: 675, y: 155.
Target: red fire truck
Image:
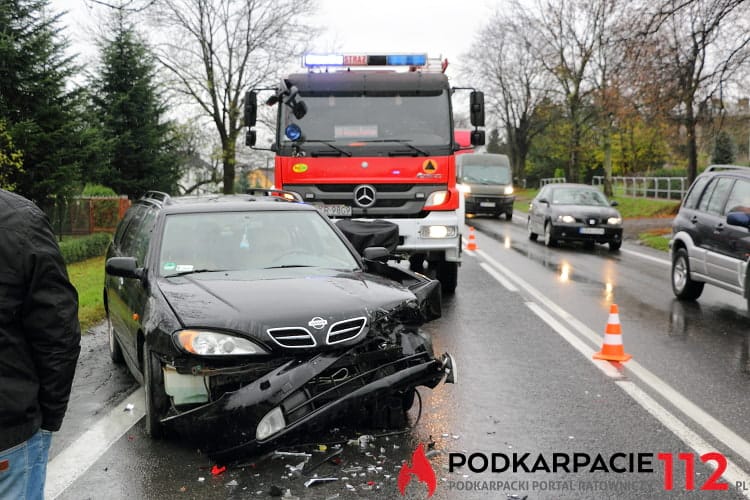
x: 370, y: 143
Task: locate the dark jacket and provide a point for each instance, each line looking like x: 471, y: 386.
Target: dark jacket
x: 39, y: 331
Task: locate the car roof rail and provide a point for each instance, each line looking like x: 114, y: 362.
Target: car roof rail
x: 160, y: 196
x: 714, y: 168
x: 277, y: 194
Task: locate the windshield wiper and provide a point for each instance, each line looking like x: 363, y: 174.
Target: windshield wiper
x: 196, y: 271
x: 405, y: 142
x: 328, y: 143
x: 285, y: 266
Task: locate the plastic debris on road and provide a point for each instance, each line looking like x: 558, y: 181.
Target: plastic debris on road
x: 319, y: 480
x: 216, y: 470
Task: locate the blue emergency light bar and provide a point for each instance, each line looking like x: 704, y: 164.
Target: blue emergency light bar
x: 316, y: 60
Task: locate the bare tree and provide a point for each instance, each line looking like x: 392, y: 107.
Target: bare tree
x: 516, y: 81
x: 701, y: 45
x: 216, y: 50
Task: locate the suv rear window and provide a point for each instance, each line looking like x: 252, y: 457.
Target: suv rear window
x: 719, y: 195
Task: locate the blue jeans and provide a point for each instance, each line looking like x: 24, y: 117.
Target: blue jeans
x: 23, y: 468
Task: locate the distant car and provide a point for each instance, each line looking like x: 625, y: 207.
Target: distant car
x: 711, y: 234
x: 486, y: 181
x: 574, y: 212
x: 253, y: 321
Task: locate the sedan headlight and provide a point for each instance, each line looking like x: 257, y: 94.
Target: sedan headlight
x: 508, y: 190
x: 436, y: 198
x: 614, y: 221
x: 567, y: 219
x: 208, y: 343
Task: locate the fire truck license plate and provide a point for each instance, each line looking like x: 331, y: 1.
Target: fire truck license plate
x: 336, y: 210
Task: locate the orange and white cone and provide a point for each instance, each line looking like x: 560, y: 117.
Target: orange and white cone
x: 612, y: 349
x: 472, y: 245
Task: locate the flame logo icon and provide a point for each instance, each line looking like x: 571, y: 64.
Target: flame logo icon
x: 421, y: 468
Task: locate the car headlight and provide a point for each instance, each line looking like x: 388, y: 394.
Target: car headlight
x: 508, y: 190
x: 270, y: 424
x: 614, y: 221
x: 464, y: 188
x: 438, y: 231
x: 567, y: 219
x: 436, y: 198
x: 208, y: 343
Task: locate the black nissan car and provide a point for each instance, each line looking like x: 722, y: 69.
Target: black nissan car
x: 251, y: 321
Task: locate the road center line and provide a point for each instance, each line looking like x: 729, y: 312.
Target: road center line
x: 718, y: 430
x: 75, y: 460
x: 647, y: 257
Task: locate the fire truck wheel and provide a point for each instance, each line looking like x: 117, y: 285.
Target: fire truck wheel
x: 447, y: 274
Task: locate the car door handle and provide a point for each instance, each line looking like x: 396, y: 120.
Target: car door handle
x: 719, y: 227
x: 694, y: 219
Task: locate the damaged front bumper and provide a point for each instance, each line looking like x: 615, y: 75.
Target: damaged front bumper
x: 371, y: 382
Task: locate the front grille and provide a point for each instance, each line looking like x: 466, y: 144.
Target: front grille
x: 587, y: 221
x: 349, y: 188
x: 345, y: 330
x: 292, y: 337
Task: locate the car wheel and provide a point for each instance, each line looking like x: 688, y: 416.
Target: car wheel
x: 509, y: 215
x: 416, y: 263
x: 115, y: 351
x: 682, y: 286
x: 447, y: 274
x: 548, y: 239
x: 532, y: 235
x: 156, y: 399
x: 614, y: 246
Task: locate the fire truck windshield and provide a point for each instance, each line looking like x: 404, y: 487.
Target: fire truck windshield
x: 369, y: 122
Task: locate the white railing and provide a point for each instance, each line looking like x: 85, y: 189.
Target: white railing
x: 670, y: 188
x: 551, y: 180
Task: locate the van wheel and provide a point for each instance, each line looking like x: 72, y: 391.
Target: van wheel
x: 157, y: 402
x: 115, y: 351
x: 683, y: 287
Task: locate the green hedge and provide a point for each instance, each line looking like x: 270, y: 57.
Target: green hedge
x: 78, y: 249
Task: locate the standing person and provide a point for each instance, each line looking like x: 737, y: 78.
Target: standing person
x: 39, y: 345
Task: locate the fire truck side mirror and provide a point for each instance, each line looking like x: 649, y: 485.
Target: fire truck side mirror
x: 476, y: 106
x: 250, y: 138
x: 299, y: 108
x: 477, y: 137
x: 251, y: 108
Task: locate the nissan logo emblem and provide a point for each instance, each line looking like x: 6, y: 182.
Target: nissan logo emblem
x: 364, y: 196
x: 317, y: 322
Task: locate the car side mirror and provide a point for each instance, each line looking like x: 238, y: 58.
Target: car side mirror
x: 376, y: 253
x: 738, y: 219
x: 543, y: 200
x: 125, y: 267
x: 613, y: 203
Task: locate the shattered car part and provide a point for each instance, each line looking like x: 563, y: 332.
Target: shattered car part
x: 288, y: 331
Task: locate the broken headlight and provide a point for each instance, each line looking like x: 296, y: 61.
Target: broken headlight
x: 270, y: 424
x: 208, y: 343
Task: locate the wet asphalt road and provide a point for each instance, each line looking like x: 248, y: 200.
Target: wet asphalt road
x: 522, y: 388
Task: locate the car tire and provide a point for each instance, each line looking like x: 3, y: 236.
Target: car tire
x: 532, y: 235
x: 156, y: 399
x: 509, y: 216
x: 447, y: 274
x: 683, y: 287
x: 416, y: 263
x: 614, y: 246
x: 115, y: 351
x: 549, y: 241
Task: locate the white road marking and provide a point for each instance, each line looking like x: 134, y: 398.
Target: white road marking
x: 73, y: 461
x: 732, y: 474
x: 693, y: 411
x: 499, y: 277
x: 651, y: 258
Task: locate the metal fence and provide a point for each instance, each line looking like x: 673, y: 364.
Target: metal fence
x: 670, y: 188
x: 86, y: 215
x: 551, y: 180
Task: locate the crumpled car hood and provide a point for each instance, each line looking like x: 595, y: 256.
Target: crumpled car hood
x: 244, y: 302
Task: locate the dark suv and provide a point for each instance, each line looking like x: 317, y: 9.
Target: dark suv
x: 252, y: 320
x: 710, y: 236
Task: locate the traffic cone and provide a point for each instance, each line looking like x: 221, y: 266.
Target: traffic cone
x: 472, y: 245
x: 612, y: 349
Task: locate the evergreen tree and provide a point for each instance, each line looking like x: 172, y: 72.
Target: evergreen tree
x: 40, y: 113
x: 724, y: 149
x: 140, y: 150
x: 493, y: 144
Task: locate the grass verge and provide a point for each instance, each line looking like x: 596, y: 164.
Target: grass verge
x: 657, y: 239
x: 88, y: 278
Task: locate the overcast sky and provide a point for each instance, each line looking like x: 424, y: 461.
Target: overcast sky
x: 438, y: 27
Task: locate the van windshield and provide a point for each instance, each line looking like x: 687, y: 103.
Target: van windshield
x: 485, y: 174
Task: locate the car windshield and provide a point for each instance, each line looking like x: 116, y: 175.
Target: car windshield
x: 578, y: 196
x: 486, y: 174
x: 222, y: 241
